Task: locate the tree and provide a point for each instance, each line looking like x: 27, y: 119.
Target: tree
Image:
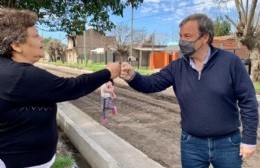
x: 221, y: 27
x: 71, y: 16
x: 122, y: 35
x: 248, y: 32
x: 134, y: 5
x: 56, y: 51
x: 160, y: 38
x: 155, y: 39
x: 46, y: 41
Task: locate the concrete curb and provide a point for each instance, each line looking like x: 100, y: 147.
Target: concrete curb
x: 99, y: 146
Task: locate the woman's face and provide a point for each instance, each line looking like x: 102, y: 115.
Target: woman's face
x: 31, y: 50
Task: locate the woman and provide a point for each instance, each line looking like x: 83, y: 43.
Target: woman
x: 28, y: 94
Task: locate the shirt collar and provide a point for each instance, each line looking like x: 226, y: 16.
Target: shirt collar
x: 192, y: 63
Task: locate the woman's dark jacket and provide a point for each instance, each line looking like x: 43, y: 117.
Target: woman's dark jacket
x: 28, y: 97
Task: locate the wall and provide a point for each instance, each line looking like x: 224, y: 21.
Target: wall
x: 93, y: 40
x: 160, y: 59
x: 231, y: 44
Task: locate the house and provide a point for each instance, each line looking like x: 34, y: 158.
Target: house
x: 93, y: 40
x: 231, y: 43
x: 100, y: 48
x: 72, y: 55
x: 155, y: 56
x: 159, y: 57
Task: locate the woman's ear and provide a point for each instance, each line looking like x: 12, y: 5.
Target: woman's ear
x: 16, y: 47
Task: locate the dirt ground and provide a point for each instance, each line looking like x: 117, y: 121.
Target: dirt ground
x: 150, y: 122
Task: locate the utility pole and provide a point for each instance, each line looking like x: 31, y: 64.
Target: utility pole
x: 85, y: 52
x: 131, y: 41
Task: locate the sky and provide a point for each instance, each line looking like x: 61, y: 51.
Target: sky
x: 162, y: 17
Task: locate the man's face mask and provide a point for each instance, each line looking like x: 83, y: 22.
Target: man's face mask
x: 188, y: 47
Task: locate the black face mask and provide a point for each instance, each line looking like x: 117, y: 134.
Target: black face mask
x: 188, y: 47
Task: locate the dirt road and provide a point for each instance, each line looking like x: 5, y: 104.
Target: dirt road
x: 151, y: 122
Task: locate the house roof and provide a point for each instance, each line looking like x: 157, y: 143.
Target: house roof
x: 222, y: 38
x: 148, y: 49
x: 169, y: 48
x: 172, y: 47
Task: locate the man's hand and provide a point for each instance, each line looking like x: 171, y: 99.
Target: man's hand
x: 246, y: 151
x: 127, y: 71
x: 114, y: 69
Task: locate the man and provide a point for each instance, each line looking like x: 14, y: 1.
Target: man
x: 214, y: 91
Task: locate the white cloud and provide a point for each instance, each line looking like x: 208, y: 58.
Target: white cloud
x: 168, y: 19
x: 231, y: 5
x: 158, y: 5
x: 196, y: 2
x: 203, y: 4
x: 171, y: 12
x: 146, y: 9
x: 150, y: 7
x: 212, y: 4
x: 155, y: 11
x: 181, y: 4
x: 166, y: 7
x: 152, y: 1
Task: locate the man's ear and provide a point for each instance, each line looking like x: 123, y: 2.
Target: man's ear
x: 206, y: 37
x: 16, y: 47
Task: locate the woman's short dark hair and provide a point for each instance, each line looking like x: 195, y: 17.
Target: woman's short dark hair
x: 205, y: 24
x: 13, y: 28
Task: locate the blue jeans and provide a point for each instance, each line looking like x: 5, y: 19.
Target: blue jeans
x: 201, y: 152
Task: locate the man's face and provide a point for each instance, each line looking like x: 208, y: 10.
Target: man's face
x: 189, y: 32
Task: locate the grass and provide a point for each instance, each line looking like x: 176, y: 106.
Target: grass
x: 89, y: 66
x: 257, y: 87
x: 63, y: 162
x: 144, y: 71
x: 96, y: 66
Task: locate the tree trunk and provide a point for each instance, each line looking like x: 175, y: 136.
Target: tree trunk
x: 255, y: 59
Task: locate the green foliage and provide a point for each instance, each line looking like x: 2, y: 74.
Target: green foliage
x: 221, y: 27
x: 63, y: 162
x: 134, y: 3
x: 71, y: 16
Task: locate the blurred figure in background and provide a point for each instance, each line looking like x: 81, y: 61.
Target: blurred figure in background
x: 107, y: 96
